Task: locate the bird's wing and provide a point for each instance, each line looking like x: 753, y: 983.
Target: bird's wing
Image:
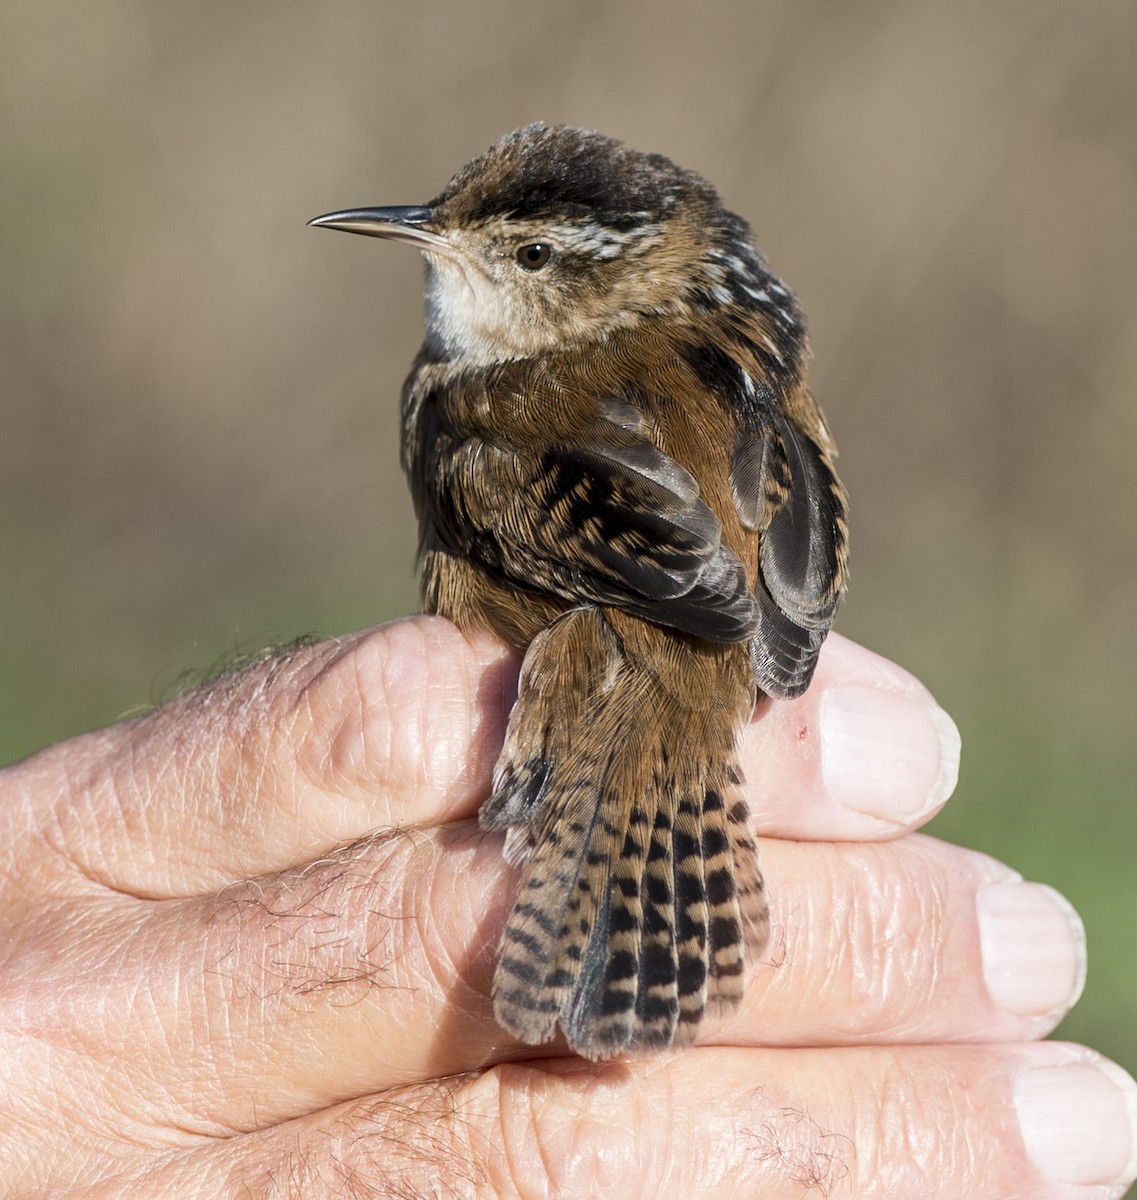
x: 603, y: 517
x: 785, y: 488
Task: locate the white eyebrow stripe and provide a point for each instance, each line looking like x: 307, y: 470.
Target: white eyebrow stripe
x: 600, y: 241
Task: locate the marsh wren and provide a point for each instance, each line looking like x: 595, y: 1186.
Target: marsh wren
x: 618, y: 468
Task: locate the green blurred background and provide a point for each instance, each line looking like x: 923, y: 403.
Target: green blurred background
x: 198, y: 394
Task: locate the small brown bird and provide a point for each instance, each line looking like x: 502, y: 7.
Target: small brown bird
x: 617, y: 467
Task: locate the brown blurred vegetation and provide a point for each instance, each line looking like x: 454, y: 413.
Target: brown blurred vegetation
x: 198, y: 394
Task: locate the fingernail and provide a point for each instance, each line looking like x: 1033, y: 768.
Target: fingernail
x: 1079, y: 1122
x: 1034, y: 948
x: 887, y: 754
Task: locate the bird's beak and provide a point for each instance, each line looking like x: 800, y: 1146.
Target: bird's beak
x: 397, y: 224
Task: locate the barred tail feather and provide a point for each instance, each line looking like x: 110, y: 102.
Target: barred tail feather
x: 640, y: 899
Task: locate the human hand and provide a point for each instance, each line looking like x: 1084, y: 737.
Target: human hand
x: 248, y: 942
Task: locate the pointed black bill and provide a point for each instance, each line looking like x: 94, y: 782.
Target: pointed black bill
x: 396, y: 223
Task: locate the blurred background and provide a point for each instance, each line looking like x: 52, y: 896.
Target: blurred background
x: 198, y: 394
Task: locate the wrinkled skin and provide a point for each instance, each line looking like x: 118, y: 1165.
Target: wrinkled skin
x: 248, y: 940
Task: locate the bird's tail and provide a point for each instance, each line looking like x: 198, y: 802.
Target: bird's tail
x: 641, y: 899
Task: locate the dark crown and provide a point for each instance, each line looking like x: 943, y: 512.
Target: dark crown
x: 545, y: 171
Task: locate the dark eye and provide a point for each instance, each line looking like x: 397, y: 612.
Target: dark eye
x: 534, y: 255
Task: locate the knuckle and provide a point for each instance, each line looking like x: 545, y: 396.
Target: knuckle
x: 576, y: 1131
x: 923, y: 1123
x: 872, y: 939
x: 383, y: 714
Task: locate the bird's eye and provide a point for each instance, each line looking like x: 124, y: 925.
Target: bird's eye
x: 534, y: 255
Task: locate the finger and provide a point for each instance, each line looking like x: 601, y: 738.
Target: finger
x: 256, y: 771
x: 1049, y: 1121
x: 866, y: 753
x: 401, y: 726
x: 373, y: 968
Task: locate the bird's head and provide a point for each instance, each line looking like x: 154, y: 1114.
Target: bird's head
x: 556, y: 237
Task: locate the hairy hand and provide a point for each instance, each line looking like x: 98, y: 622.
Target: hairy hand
x: 248, y: 941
